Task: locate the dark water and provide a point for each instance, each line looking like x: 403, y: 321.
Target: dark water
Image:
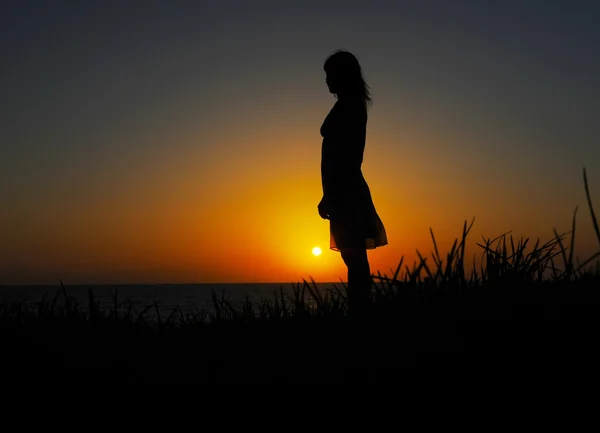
x: 185, y: 297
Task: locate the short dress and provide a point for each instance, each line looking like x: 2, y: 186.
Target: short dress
x: 354, y: 222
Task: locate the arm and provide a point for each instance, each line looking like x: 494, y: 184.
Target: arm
x: 342, y: 155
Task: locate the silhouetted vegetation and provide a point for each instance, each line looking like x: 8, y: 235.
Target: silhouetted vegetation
x: 525, y: 303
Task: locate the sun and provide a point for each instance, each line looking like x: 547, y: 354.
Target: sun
x: 316, y: 251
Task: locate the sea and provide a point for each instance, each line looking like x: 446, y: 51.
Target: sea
x: 162, y: 297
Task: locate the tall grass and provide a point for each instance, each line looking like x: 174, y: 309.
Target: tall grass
x: 507, y: 264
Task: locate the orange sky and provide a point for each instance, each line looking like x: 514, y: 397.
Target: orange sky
x: 253, y: 218
x: 181, y: 145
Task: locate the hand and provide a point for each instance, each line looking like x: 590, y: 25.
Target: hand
x: 325, y: 209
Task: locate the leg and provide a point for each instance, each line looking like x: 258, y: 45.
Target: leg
x: 359, y: 278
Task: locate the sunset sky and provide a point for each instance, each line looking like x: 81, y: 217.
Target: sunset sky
x: 178, y: 141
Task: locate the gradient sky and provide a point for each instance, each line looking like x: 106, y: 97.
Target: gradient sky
x: 154, y: 141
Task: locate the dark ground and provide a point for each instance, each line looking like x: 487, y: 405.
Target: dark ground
x: 546, y: 330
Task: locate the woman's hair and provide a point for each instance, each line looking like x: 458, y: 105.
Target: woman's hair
x: 348, y: 74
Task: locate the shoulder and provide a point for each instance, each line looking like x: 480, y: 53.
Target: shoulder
x: 353, y: 106
x: 354, y: 109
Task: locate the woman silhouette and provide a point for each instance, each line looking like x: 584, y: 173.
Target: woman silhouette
x: 354, y: 223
